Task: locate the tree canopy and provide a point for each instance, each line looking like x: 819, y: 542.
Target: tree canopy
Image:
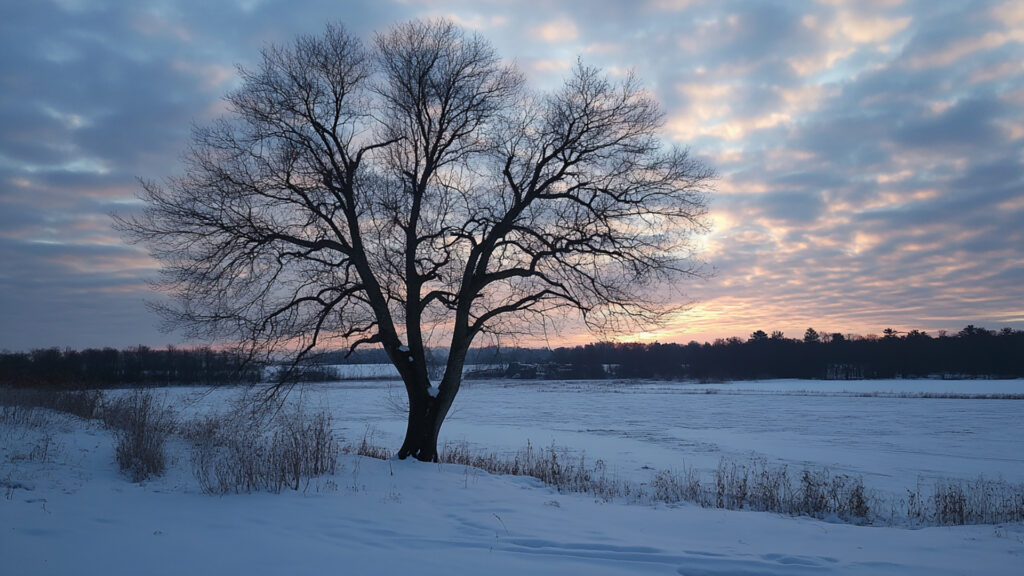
x: 416, y: 187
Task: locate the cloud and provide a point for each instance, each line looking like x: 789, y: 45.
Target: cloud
x: 965, y: 125
x: 862, y: 29
x: 556, y: 31
x: 871, y: 153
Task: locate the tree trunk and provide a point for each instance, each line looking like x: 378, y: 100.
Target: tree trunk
x: 425, y: 418
x: 427, y: 412
x: 428, y: 407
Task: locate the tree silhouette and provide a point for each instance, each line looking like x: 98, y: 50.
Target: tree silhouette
x: 382, y: 195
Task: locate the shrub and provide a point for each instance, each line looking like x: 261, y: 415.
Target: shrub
x: 553, y: 466
x: 81, y: 403
x: 731, y: 485
x: 674, y: 487
x: 772, y: 488
x: 980, y: 501
x: 234, y: 453
x: 142, y: 428
x: 822, y: 495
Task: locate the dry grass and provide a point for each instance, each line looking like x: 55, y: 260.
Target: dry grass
x: 233, y: 453
x: 553, y: 466
x: 754, y: 485
x: 960, y: 502
x: 81, y: 403
x: 142, y: 426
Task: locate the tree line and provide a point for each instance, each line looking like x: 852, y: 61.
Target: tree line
x: 973, y: 352
x: 109, y: 367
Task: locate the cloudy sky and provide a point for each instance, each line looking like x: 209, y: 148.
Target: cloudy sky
x: 871, y: 153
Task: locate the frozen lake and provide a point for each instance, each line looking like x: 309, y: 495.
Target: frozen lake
x: 884, y: 430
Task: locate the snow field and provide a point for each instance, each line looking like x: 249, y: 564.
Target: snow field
x: 72, y: 512
x: 881, y: 430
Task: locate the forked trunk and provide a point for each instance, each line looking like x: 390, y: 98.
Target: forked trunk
x: 425, y: 418
x: 428, y: 408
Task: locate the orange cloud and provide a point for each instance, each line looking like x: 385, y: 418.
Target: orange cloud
x: 562, y: 29
x: 869, y: 30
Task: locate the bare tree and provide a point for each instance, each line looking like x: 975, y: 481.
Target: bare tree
x: 377, y: 195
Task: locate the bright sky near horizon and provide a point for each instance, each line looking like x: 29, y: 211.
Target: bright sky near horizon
x: 871, y: 153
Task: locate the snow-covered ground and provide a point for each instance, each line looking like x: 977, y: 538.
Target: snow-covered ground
x: 67, y: 510
x: 894, y: 439
x: 74, y: 513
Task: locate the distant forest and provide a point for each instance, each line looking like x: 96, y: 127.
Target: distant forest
x: 971, y: 353
x: 109, y: 367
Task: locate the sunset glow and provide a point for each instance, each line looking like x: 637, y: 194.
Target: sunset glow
x: 870, y: 154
